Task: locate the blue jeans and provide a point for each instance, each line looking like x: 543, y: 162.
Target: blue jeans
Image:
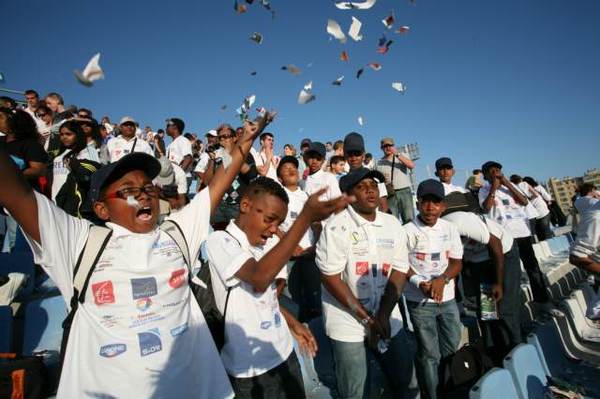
x: 437, y: 331
x: 401, y: 204
x: 354, y: 364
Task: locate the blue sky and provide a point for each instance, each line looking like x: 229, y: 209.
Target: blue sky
x: 515, y: 81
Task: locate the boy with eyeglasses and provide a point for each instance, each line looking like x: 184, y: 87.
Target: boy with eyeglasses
x: 139, y: 328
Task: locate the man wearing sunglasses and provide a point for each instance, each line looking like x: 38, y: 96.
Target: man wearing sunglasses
x: 127, y: 142
x: 394, y: 166
x: 180, y: 149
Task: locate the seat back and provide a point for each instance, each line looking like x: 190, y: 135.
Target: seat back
x: 527, y: 371
x: 539, y: 253
x: 43, y: 324
x: 495, y: 384
x: 533, y: 339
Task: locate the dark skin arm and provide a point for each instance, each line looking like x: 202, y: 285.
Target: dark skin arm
x: 517, y: 194
x: 389, y: 300
x: 186, y: 162
x: 489, y: 202
x: 35, y: 169
x: 586, y: 263
x: 17, y: 196
x: 260, y: 274
x: 304, y: 337
x: 495, y: 247
x: 438, y: 283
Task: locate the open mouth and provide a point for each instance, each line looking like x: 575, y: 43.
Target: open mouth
x: 144, y: 214
x: 264, y: 238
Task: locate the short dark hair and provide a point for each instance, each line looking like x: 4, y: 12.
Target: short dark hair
x: 20, y: 123
x: 531, y: 181
x: 329, y: 142
x: 336, y: 159
x: 160, y: 131
x: 338, y: 144
x: 56, y: 96
x: 12, y: 104
x: 189, y: 136
x: 44, y: 108
x: 368, y: 155
x: 87, y: 111
x: 266, y: 134
x: 30, y: 91
x: 264, y: 185
x: 586, y: 188
x: 516, y: 179
x: 476, y: 171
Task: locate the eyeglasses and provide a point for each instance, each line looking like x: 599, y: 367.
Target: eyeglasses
x: 387, y: 145
x: 226, y: 136
x: 130, y: 124
x: 149, y: 189
x: 41, y: 114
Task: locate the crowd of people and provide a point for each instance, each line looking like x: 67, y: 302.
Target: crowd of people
x: 328, y: 226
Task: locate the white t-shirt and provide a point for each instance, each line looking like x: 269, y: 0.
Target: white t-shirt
x: 140, y: 331
x: 540, y: 189
x: 587, y: 244
x: 451, y: 188
x: 475, y: 235
x: 260, y: 158
x: 429, y: 250
x: 538, y: 202
x: 364, y: 253
x: 180, y: 179
x: 257, y: 337
x: 60, y: 170
x: 120, y: 146
x: 319, y: 180
x: 506, y: 211
x: 297, y: 200
x: 178, y: 149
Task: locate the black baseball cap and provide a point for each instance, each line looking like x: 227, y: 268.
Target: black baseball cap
x: 490, y: 164
x: 305, y: 142
x: 317, y: 147
x: 430, y: 187
x: 114, y: 171
x: 354, y: 142
x: 348, y: 181
x: 287, y: 159
x: 443, y: 162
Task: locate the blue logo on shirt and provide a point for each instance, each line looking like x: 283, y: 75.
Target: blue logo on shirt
x: 143, y: 287
x: 149, y: 342
x: 112, y: 350
x: 277, y: 319
x: 435, y: 256
x: 265, y: 325
x: 179, y: 330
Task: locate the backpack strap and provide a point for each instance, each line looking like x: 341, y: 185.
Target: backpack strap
x: 174, y: 231
x: 88, y: 258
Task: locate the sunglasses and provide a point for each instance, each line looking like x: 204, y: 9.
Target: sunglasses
x: 226, y: 136
x: 387, y: 145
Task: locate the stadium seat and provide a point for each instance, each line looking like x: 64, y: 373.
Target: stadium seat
x: 527, y: 372
x: 533, y: 339
x: 495, y: 384
x: 6, y: 329
x: 43, y: 325
x: 21, y: 262
x: 572, y: 347
x: 588, y: 335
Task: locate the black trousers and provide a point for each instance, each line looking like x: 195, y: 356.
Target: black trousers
x: 532, y: 267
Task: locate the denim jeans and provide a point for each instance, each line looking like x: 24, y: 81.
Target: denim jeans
x: 532, y: 267
x: 510, y: 305
x: 438, y: 331
x: 354, y: 364
x: 401, y: 204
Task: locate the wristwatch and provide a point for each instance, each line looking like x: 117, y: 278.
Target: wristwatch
x: 366, y: 321
x: 446, y: 278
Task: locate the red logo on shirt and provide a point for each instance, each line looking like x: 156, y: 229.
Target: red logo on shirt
x: 386, y: 269
x: 420, y: 255
x: 103, y: 292
x: 177, y: 278
x: 362, y: 268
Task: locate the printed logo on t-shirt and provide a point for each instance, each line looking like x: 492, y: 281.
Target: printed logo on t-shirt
x: 505, y: 202
x: 277, y: 319
x: 143, y: 287
x: 179, y: 330
x: 385, y: 242
x: 362, y: 268
x: 435, y: 256
x: 149, y: 342
x: 112, y: 350
x: 143, y: 304
x: 103, y: 292
x: 385, y: 269
x: 265, y: 325
x: 293, y: 214
x: 177, y: 278
x: 420, y: 255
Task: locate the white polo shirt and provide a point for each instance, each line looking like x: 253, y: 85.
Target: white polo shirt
x: 475, y: 234
x: 364, y: 253
x: 260, y: 158
x: 140, y: 329
x: 178, y: 149
x: 257, y: 337
x: 506, y: 211
x: 322, y: 179
x: 429, y: 250
x: 180, y: 179
x: 587, y: 244
x: 452, y: 188
x: 537, y: 202
x: 120, y: 146
x: 297, y: 199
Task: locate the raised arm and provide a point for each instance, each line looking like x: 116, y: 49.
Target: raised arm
x: 516, y: 193
x: 17, y: 196
x: 405, y: 160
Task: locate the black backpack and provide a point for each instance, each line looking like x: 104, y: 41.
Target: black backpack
x: 22, y: 377
x: 462, y: 370
x: 461, y: 202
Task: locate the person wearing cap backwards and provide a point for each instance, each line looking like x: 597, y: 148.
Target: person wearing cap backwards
x: 180, y: 149
x: 435, y: 255
x: 394, y: 166
x: 139, y: 330
x: 126, y: 142
x: 363, y: 259
x: 505, y: 203
x: 444, y: 170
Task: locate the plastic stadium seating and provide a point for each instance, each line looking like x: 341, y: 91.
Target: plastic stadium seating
x: 527, y: 371
x: 533, y: 339
x: 495, y: 384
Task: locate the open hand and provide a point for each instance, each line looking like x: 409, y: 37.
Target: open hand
x: 425, y: 287
x: 317, y: 210
x: 306, y: 340
x: 497, y: 292
x: 254, y: 129
x: 437, y: 289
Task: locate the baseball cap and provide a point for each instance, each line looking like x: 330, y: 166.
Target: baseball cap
x: 287, y: 159
x: 354, y: 142
x: 430, y: 187
x: 443, y: 162
x: 177, y: 122
x: 387, y: 141
x: 166, y: 176
x: 211, y: 132
x: 352, y: 178
x: 490, y: 164
x: 305, y: 142
x: 114, y: 171
x: 126, y: 119
x: 317, y: 147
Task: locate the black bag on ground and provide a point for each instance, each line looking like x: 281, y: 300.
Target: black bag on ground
x: 461, y: 202
x: 22, y: 377
x: 462, y: 370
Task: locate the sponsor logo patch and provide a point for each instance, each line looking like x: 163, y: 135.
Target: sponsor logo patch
x: 177, y: 278
x: 149, y: 342
x: 385, y: 269
x: 179, y: 330
x: 112, y: 350
x: 277, y: 319
x: 143, y: 304
x: 103, y: 292
x: 420, y: 255
x: 362, y: 268
x: 435, y: 256
x: 265, y: 325
x: 143, y: 287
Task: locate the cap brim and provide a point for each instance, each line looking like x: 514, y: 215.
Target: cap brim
x: 368, y: 174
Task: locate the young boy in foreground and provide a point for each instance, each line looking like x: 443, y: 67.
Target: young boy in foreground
x: 245, y: 259
x: 139, y: 330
